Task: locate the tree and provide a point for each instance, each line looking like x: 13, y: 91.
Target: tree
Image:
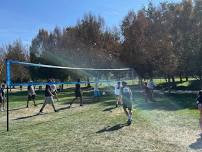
x: 16, y: 51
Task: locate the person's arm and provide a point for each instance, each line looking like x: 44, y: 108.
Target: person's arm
x: 49, y: 91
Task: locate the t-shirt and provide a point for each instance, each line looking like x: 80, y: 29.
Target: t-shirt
x: 117, y: 90
x: 53, y: 88
x: 199, y: 99
x: 31, y: 91
x: 77, y: 88
x: 126, y: 93
x: 48, y: 91
x: 151, y: 85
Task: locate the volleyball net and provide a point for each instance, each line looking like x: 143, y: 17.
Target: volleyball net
x: 25, y: 74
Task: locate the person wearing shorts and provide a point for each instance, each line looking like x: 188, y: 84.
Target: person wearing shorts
x: 126, y: 94
x: 78, y: 93
x: 48, y: 98
x: 31, y: 95
x: 199, y: 103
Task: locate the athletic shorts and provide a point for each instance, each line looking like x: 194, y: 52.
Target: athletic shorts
x: 31, y: 97
x: 127, y: 104
x: 49, y: 100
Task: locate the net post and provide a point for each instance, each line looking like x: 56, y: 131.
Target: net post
x: 7, y: 88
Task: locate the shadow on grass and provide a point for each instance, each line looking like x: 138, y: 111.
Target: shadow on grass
x: 113, y: 128
x: 31, y: 116
x: 63, y: 108
x: 109, y: 109
x: 197, y: 145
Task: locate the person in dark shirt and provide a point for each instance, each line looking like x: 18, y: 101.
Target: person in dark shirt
x: 48, y: 98
x: 78, y: 93
x: 199, y: 103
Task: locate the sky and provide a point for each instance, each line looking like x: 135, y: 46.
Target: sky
x: 21, y: 19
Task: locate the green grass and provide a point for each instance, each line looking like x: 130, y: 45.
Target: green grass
x: 169, y: 124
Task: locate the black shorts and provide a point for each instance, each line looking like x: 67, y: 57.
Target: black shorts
x: 31, y: 97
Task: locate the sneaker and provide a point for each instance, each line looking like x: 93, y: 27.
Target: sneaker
x: 129, y: 122
x: 56, y: 110
x: 40, y: 112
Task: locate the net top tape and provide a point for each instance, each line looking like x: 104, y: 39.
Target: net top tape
x: 57, y: 83
x: 62, y: 67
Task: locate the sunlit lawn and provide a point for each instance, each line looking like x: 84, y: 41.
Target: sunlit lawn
x: 169, y: 124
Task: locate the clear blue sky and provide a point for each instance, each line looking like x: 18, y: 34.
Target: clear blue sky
x: 21, y: 19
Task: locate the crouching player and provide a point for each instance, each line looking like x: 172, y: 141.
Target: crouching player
x: 127, y: 101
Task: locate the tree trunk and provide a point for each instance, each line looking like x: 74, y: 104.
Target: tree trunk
x: 173, y: 79
x: 181, y: 78
x: 187, y: 78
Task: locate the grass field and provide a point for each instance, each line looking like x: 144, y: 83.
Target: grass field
x: 168, y: 125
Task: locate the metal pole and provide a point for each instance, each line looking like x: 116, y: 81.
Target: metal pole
x: 7, y: 84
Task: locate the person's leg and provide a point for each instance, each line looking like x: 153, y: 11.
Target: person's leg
x: 0, y: 105
x: 81, y: 101
x: 34, y: 102
x: 146, y: 96
x: 200, y: 120
x: 53, y: 107
x: 56, y: 96
x: 73, y: 100
x: 33, y: 98
x: 3, y: 103
x: 125, y: 110
x: 117, y: 101
x: 28, y: 102
x: 44, y: 104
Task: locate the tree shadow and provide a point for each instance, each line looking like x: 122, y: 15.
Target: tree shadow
x: 197, y: 145
x: 113, y: 128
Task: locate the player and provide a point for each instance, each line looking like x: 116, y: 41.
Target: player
x: 31, y: 95
x: 78, y: 93
x: 117, y: 92
x: 54, y: 91
x: 126, y: 94
x: 151, y: 85
x: 48, y: 98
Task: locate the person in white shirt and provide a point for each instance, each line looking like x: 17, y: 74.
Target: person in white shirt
x: 151, y: 85
x: 31, y: 95
x: 117, y: 92
x: 54, y: 90
x: 126, y: 94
